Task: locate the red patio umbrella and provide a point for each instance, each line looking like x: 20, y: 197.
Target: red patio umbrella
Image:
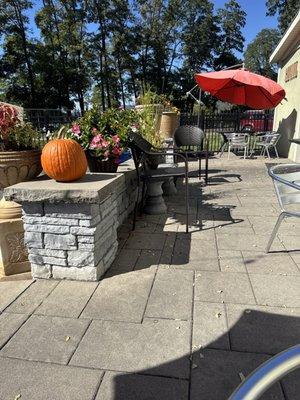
x: 239, y: 86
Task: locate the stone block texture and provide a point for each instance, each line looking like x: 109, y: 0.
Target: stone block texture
x: 67, y: 240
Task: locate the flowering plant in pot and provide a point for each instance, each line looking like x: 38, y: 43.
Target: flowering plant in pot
x: 103, y: 136
x: 20, y: 151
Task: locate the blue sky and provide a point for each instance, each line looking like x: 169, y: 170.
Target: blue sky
x: 256, y: 18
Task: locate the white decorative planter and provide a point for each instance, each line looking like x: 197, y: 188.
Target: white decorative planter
x: 13, y: 253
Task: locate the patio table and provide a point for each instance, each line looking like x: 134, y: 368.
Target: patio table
x: 296, y: 141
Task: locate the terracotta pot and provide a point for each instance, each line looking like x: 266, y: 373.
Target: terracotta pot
x: 97, y: 164
x: 19, y: 166
x: 169, y: 123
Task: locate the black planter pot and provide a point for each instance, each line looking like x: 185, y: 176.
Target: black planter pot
x: 98, y: 164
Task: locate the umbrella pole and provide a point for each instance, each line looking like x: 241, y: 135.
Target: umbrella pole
x: 199, y: 103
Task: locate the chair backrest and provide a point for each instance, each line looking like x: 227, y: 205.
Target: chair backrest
x: 239, y: 139
x: 269, y: 137
x: 274, y: 138
x: 138, y: 146
x: 188, y: 135
x: 286, y: 178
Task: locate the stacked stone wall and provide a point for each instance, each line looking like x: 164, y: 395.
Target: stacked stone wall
x: 77, y: 240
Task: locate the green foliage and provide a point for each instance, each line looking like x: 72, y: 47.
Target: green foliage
x: 112, y: 122
x: 24, y: 137
x: 112, y: 48
x: 286, y: 10
x: 149, y: 111
x: 259, y: 50
x: 200, y: 35
x: 231, y: 19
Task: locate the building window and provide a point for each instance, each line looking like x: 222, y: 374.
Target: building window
x: 291, y: 72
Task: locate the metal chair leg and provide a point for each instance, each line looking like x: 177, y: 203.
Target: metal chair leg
x: 143, y: 197
x: 275, y: 230
x: 276, y: 152
x: 206, y: 167
x: 228, y: 152
x: 267, y: 149
x: 261, y: 151
x: 199, y: 172
x: 187, y: 198
x: 222, y: 149
x: 136, y: 208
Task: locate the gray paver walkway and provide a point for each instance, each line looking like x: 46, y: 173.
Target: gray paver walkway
x: 177, y: 317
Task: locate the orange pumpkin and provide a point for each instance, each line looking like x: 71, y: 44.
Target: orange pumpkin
x: 64, y: 160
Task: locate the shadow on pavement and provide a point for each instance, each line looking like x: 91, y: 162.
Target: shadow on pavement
x: 214, y: 371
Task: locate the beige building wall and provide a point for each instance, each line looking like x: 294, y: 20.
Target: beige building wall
x: 287, y: 114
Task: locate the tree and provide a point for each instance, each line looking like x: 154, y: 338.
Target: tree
x: 63, y: 29
x: 110, y: 18
x: 200, y: 33
x: 259, y: 50
x: 286, y: 9
x: 17, y: 59
x: 158, y: 32
x: 231, y: 20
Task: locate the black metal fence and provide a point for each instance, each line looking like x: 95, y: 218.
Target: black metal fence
x: 48, y: 119
x: 215, y: 123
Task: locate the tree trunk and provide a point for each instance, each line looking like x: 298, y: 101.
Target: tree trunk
x: 121, y: 83
x: 133, y: 83
x: 102, y: 84
x: 19, y: 18
x: 104, y: 54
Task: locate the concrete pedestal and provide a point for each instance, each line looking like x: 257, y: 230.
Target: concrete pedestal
x: 155, y: 203
x: 169, y: 188
x: 71, y: 228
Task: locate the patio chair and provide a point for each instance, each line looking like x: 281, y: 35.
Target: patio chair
x: 189, y: 140
x: 142, y: 152
x: 239, y: 141
x: 286, y: 179
x: 226, y: 136
x: 268, y: 141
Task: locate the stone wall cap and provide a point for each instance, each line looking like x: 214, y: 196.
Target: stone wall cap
x: 92, y: 188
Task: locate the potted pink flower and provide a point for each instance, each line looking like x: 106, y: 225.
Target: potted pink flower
x: 104, y: 136
x: 20, y: 154
x: 104, y: 152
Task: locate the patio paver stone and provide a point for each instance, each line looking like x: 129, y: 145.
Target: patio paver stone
x: 121, y: 386
x: 68, y: 299
x: 171, y: 295
x: 218, y: 287
x: 32, y: 297
x: 36, y: 381
x: 48, y: 339
x: 159, y: 347
x: 261, y: 329
x: 121, y: 297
